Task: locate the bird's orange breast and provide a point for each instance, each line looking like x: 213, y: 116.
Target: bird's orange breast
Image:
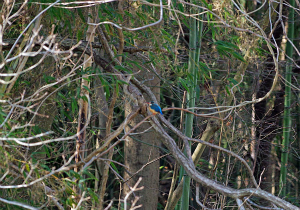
x: 152, y: 110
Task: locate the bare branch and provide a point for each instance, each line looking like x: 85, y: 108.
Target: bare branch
x: 132, y: 190
x: 15, y: 203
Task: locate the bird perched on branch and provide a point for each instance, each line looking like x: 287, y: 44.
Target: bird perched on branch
x: 154, y: 108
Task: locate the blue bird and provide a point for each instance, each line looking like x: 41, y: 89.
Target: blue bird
x: 154, y: 108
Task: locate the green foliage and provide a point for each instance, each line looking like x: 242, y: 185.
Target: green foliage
x: 168, y: 37
x: 204, y: 72
x: 2, y: 115
x: 216, y: 74
x: 228, y: 49
x: 106, y: 86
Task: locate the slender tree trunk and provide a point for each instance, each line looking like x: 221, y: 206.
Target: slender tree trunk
x: 102, y: 109
x: 287, y: 122
x: 140, y: 150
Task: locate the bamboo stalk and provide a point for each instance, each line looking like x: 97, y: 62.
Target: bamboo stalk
x: 287, y: 105
x: 194, y: 44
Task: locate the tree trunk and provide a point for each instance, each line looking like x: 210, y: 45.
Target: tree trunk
x: 141, y: 149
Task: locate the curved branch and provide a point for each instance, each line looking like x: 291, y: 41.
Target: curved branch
x: 182, y: 136
x: 18, y: 204
x: 190, y: 169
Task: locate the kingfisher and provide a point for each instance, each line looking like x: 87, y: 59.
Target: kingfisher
x: 154, y: 108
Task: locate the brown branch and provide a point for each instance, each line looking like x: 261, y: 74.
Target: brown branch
x: 152, y: 161
x: 110, y: 154
x: 106, y: 46
x: 112, y: 136
x: 111, y: 111
x: 197, y: 115
x: 120, y: 31
x: 203, y: 180
x: 91, y: 157
x: 182, y: 136
x: 198, y: 177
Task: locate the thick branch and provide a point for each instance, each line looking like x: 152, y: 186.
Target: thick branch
x: 198, y: 177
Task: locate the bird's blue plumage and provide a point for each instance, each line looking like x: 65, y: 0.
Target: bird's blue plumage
x: 154, y: 108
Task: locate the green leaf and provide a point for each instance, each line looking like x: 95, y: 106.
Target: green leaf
x: 232, y: 80
x: 62, y: 96
x: 87, y: 88
x: 141, y: 16
x: 106, y: 86
x: 74, y: 105
x: 93, y: 194
x: 48, y: 79
x: 204, y: 70
x: 77, y: 92
x: 122, y: 82
x: 114, y: 167
x: 89, y: 174
x: 75, y: 174
x: 79, y: 10
x: 27, y: 167
x: 136, y: 64
x: 238, y: 56
x: 227, y: 49
x: 117, y: 88
x: 45, y: 167
x: 225, y: 44
x: 227, y: 90
x: 70, y: 201
x: 79, y: 35
x: 180, y: 7
x: 122, y: 68
x: 84, y: 98
x: 168, y: 36
x: 184, y: 84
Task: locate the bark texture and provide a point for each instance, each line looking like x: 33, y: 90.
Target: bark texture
x: 140, y: 150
